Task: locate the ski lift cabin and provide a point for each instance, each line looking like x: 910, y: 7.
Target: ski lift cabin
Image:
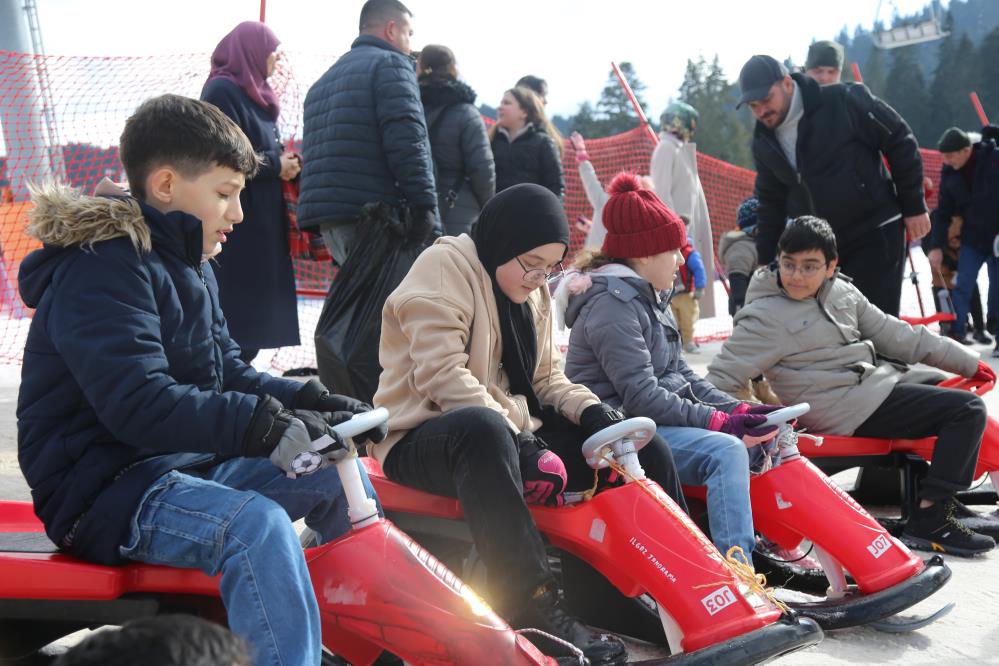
x: 909, y: 33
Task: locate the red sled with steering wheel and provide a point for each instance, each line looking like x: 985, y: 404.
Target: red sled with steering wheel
x: 377, y: 590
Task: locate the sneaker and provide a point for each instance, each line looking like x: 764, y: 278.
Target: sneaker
x: 545, y: 613
x: 936, y: 528
x: 794, y: 557
x: 964, y: 339
x: 981, y: 336
x: 983, y: 523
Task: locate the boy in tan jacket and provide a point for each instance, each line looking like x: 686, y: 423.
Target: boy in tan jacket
x: 819, y: 340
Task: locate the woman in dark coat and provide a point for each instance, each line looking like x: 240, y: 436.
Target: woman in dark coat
x: 254, y: 271
x: 526, y: 147
x: 463, y: 160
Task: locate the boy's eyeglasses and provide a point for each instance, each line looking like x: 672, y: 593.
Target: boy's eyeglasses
x: 805, y: 270
x: 538, y: 275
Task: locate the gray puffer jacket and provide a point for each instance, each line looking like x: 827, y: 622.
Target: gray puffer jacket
x: 737, y: 250
x: 461, y: 152
x: 835, y: 351
x: 625, y: 347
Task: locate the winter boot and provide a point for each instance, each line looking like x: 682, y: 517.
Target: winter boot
x: 936, y: 528
x: 545, y: 612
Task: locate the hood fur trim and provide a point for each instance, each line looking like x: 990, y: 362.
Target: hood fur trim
x: 63, y: 217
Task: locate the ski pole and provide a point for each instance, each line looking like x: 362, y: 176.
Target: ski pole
x: 979, y: 109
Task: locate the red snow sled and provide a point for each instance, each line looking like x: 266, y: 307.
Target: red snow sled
x: 630, y: 560
x: 377, y: 589
x: 795, y: 501
x: 834, y: 453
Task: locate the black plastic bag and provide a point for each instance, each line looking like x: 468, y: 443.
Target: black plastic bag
x: 350, y: 325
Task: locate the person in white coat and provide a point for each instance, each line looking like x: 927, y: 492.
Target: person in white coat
x: 674, y: 175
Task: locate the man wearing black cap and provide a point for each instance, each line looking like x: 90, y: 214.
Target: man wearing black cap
x: 824, y: 62
x: 969, y: 188
x: 818, y: 151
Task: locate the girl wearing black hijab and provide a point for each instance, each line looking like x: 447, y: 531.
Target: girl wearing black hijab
x: 480, y: 408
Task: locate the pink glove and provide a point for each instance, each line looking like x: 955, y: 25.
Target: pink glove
x: 747, y: 427
x: 755, y: 408
x: 542, y: 471
x: 579, y: 146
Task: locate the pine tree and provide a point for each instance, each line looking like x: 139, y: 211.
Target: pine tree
x: 614, y: 108
x: 987, y: 79
x: 720, y: 132
x: 946, y: 86
x: 873, y: 72
x: 905, y: 90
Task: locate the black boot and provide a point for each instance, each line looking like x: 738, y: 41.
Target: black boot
x: 545, y: 612
x: 983, y: 523
x: 982, y: 336
x: 936, y: 528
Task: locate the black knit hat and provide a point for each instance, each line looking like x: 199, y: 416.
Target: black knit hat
x: 953, y: 140
x: 824, y: 54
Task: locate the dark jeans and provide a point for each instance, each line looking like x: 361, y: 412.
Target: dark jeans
x: 969, y: 263
x: 956, y: 418
x: 876, y: 262
x: 471, y: 454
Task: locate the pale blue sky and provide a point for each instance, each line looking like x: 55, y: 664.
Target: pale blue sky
x: 571, y: 43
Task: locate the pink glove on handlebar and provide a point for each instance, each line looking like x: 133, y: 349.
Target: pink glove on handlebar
x: 755, y: 408
x: 747, y: 427
x: 542, y: 471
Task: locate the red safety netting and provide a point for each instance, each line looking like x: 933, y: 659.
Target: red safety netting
x: 61, y: 118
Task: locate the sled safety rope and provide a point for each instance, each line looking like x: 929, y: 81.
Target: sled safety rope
x: 735, y: 559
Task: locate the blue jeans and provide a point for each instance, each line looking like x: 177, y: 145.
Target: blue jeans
x: 235, y: 521
x: 969, y: 263
x: 720, y: 462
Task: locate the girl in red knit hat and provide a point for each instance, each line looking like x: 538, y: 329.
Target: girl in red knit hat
x: 626, y: 347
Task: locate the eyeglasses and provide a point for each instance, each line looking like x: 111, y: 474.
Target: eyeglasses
x: 805, y: 270
x: 538, y: 275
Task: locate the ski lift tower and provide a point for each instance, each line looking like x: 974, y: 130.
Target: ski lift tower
x: 907, y: 34
x: 26, y: 114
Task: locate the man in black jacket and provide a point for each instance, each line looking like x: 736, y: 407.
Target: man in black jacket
x: 823, y: 151
x: 969, y: 188
x: 365, y: 137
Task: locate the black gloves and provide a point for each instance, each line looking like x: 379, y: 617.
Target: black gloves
x: 597, y: 417
x: 423, y: 220
x: 315, y: 396
x: 542, y: 471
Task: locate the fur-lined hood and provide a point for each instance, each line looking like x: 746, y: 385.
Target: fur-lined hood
x: 62, y: 217
x: 67, y: 222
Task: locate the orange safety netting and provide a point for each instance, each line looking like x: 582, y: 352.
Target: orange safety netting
x: 61, y: 118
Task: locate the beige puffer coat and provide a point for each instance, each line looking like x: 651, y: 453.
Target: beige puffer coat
x: 441, y: 347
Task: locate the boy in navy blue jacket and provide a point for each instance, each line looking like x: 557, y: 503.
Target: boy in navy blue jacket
x: 141, y: 433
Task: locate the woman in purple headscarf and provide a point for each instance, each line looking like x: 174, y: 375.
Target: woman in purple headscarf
x: 254, y: 271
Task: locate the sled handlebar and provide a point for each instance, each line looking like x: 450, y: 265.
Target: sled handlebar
x: 785, y: 414
x: 362, y: 422
x: 967, y: 384
x: 636, y: 431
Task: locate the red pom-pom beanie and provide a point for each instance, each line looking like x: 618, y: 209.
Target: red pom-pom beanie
x: 638, y: 223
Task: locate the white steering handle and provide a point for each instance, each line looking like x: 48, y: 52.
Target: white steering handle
x: 362, y: 422
x: 782, y: 416
x: 639, y: 430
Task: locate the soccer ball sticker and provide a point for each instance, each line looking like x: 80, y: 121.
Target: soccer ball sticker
x: 306, y: 462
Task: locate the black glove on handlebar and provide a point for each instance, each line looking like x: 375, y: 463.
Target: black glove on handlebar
x: 597, y: 417
x: 341, y: 407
